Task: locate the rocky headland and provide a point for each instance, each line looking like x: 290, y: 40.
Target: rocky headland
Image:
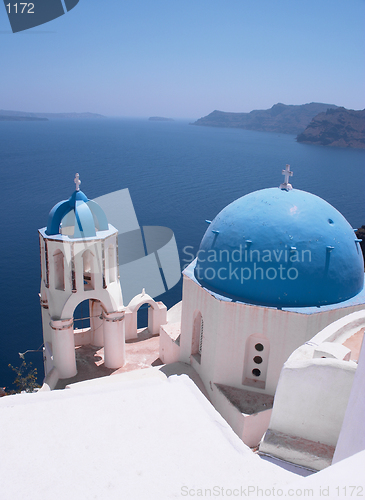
x: 281, y: 118
x: 336, y: 127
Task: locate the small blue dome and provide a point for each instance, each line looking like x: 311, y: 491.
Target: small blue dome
x: 281, y: 248
x: 82, y: 215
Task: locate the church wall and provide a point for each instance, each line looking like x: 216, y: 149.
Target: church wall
x: 191, y: 302
x: 205, y: 362
x: 285, y: 331
x: 230, y: 329
x: 227, y: 326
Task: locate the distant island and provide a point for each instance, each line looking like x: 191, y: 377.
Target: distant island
x: 336, y: 127
x: 5, y: 118
x: 25, y: 116
x: 159, y: 119
x: 281, y: 118
x: 313, y: 123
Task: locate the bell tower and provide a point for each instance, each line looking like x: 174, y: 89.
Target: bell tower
x: 79, y: 261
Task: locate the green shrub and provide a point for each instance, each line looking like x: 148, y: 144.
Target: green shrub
x: 26, y: 378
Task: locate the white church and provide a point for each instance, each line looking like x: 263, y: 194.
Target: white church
x: 270, y: 329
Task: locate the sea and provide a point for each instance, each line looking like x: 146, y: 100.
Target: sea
x: 178, y: 175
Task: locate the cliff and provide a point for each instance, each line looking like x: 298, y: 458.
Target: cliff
x: 336, y: 127
x: 282, y: 118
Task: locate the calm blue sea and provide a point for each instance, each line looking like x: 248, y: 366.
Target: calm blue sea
x: 178, y: 175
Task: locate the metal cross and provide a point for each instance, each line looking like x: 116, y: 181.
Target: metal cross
x: 287, y: 173
x: 78, y: 182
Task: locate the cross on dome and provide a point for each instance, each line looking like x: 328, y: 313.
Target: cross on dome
x: 287, y: 173
x: 78, y: 182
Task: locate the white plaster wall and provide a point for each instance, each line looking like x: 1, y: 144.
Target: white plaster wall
x: 311, y: 399
x: 82, y: 336
x: 174, y: 313
x: 352, y: 436
x: 250, y: 428
x: 169, y: 350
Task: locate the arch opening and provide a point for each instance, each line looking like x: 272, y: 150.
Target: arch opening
x: 88, y: 323
x: 88, y: 270
x: 143, y: 316
x: 59, y: 270
x: 154, y: 311
x: 82, y: 315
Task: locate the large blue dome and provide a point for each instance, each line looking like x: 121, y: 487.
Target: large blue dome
x: 281, y: 248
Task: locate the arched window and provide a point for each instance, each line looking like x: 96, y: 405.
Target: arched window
x: 88, y: 270
x: 256, y: 361
x: 198, y: 337
x: 59, y: 270
x: 201, y: 335
x: 112, y: 265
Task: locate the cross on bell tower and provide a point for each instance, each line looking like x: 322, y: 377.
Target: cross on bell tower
x: 77, y: 182
x: 287, y: 173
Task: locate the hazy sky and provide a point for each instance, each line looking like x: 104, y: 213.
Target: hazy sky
x: 186, y: 58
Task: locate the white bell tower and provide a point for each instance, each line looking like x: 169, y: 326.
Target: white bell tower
x: 79, y: 261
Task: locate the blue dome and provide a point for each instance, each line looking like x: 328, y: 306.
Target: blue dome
x: 281, y: 248
x: 82, y: 215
